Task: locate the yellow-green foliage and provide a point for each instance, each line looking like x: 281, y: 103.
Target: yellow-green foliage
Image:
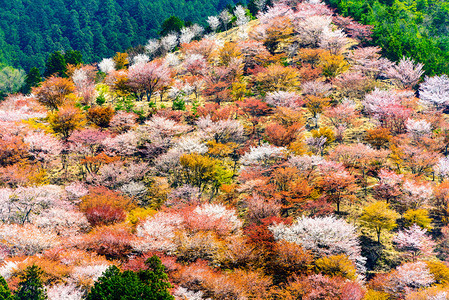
x: 376, y: 295
x: 332, y: 64
x: 419, y: 217
x: 336, y: 265
x: 326, y: 132
x: 379, y: 217
x: 138, y: 214
x: 439, y: 270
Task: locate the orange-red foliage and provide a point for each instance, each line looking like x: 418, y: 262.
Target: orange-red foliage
x: 100, y: 115
x: 113, y: 241
x: 12, y: 150
x: 103, y: 206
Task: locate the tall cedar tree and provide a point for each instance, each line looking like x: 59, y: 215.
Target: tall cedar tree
x: 31, y: 286
x: 149, y: 284
x: 5, y: 293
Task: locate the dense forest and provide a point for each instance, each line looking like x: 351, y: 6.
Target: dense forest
x: 31, y: 29
x: 412, y: 28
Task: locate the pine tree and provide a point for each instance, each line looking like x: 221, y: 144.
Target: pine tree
x: 73, y: 57
x: 32, y: 79
x: 5, y: 293
x: 55, y: 65
x: 149, y: 284
x: 30, y: 285
x: 172, y: 24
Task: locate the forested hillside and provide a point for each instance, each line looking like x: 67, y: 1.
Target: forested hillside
x: 412, y: 28
x: 31, y: 29
x: 279, y: 158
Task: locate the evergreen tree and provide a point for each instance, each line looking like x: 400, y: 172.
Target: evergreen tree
x: 149, y: 284
x: 32, y: 79
x: 5, y: 293
x: 172, y: 24
x: 30, y: 285
x: 73, y: 57
x: 55, y: 65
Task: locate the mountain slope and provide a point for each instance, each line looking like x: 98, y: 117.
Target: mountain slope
x: 412, y: 28
x: 31, y: 29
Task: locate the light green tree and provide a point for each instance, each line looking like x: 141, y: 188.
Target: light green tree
x: 11, y: 80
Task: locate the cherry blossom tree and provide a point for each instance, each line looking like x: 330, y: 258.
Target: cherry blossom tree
x: 87, y: 141
x: 148, y: 78
x: 122, y: 144
x: 409, y: 277
x: 107, y: 65
x: 241, y: 17
x: 406, y: 72
x: 84, y: 80
x: 442, y: 168
x: 434, y: 91
x: 27, y: 239
x: 213, y: 22
x: 415, y: 243
x: 225, y: 18
x: 169, y: 42
x: 157, y: 232
x: 19, y: 205
x: 387, y: 108
x: 369, y: 61
x: 64, y: 292
x: 264, y: 155
x: 337, y: 183
x: 324, y: 236
x: 389, y: 186
x: 122, y: 121
x: 418, y: 128
x: 222, y: 131
x: 415, y: 194
x: 43, y: 147
x: 285, y: 99
x: 333, y: 40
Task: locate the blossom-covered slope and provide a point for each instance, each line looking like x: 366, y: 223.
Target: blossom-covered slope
x: 281, y: 159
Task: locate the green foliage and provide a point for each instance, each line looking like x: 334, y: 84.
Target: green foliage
x: 55, y: 65
x: 32, y: 79
x: 31, y: 31
x: 125, y: 104
x: 31, y: 286
x: 101, y: 99
x: 73, y: 57
x: 405, y: 28
x: 5, y: 293
x: 11, y: 81
x: 172, y: 24
x: 179, y: 104
x: 146, y: 284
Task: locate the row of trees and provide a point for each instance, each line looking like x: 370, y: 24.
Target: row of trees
x: 150, y: 283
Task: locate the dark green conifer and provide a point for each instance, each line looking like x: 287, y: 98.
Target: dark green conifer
x: 30, y: 285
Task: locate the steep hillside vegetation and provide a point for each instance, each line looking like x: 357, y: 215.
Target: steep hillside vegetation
x: 281, y: 159
x: 31, y: 29
x: 412, y: 28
